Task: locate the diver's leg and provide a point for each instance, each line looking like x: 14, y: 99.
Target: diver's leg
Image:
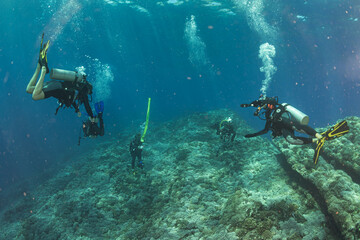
x: 308, y: 130
x: 311, y: 132
x: 133, y: 161
x: 141, y: 164
x: 31, y: 85
x: 38, y: 93
x: 290, y: 137
x: 101, y: 124
x: 304, y: 140
x: 233, y: 136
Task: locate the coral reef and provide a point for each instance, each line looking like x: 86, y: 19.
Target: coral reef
x: 344, y: 152
x: 335, y: 177
x: 193, y: 186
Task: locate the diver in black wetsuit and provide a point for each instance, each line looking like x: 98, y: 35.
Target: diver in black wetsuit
x: 281, y: 122
x: 135, y: 151
x: 71, y: 92
x: 91, y: 129
x: 226, y: 129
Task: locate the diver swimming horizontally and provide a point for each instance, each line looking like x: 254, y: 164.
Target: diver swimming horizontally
x: 284, y: 120
x: 70, y: 88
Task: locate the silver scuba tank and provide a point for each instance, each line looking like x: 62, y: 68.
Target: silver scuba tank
x: 296, y: 114
x: 60, y: 74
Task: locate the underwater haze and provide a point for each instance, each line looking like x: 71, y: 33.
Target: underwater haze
x: 188, y: 56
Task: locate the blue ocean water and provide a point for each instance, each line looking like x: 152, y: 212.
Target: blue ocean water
x: 188, y: 56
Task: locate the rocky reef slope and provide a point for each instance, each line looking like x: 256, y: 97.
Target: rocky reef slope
x: 336, y: 177
x: 194, y: 186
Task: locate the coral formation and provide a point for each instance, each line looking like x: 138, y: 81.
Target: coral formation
x: 193, y: 186
x: 341, y: 193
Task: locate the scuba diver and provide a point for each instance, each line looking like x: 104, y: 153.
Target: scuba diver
x: 70, y: 88
x: 226, y: 129
x: 90, y: 127
x: 284, y: 120
x: 136, y: 146
x: 135, y: 151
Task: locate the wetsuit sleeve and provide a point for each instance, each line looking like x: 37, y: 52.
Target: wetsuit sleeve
x: 85, y: 100
x: 255, y: 103
x: 265, y: 130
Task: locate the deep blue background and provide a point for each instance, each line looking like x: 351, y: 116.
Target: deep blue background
x: 317, y: 60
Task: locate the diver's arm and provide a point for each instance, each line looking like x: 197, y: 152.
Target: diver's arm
x: 265, y: 130
x: 76, y: 107
x: 87, y: 106
x: 255, y: 103
x: 256, y: 134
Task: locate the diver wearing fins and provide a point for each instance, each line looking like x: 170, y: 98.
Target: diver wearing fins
x: 281, y: 122
x: 136, y: 146
x: 135, y: 150
x: 70, y: 88
x: 284, y: 120
x: 90, y: 127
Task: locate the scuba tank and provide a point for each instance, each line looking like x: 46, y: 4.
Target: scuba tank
x: 66, y: 75
x: 295, y: 114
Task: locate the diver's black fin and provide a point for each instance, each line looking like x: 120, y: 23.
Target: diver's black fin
x: 336, y: 131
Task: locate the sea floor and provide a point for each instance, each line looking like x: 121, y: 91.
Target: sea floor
x: 194, y: 186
